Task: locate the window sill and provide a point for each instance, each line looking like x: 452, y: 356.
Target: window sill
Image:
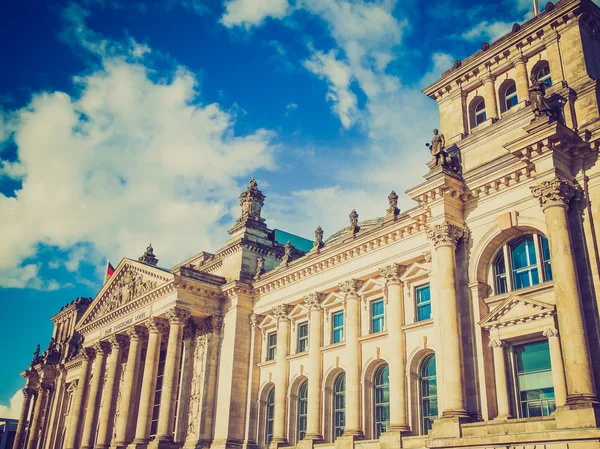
x: 372, y: 336
x: 266, y: 363
x: 548, y: 285
x: 297, y: 355
x: 417, y: 324
x: 333, y: 346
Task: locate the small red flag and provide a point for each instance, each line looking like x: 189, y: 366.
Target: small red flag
x: 109, y: 270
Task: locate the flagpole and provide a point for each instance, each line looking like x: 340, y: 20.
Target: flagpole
x: 536, y: 8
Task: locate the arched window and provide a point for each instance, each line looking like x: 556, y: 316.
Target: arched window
x: 270, y: 416
x: 428, y: 383
x: 479, y: 112
x: 339, y: 405
x: 527, y: 258
x: 382, y: 400
x: 302, y: 409
x: 509, y: 94
x: 543, y: 74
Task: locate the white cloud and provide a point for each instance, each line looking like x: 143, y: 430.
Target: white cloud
x: 129, y: 160
x: 13, y: 409
x: 339, y: 77
x: 248, y: 13
x: 487, y: 30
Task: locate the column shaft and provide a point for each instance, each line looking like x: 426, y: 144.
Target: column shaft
x: 109, y: 395
x: 501, y: 379
x: 27, y: 395
x: 558, y: 369
x: 36, y: 420
x: 397, y: 341
x: 166, y: 414
x: 89, y: 426
x: 580, y: 384
x: 131, y: 368
x: 313, y: 428
x: 74, y: 426
x: 142, y: 430
x: 522, y: 80
x: 353, y: 359
x: 281, y: 370
x: 449, y: 356
x: 489, y: 95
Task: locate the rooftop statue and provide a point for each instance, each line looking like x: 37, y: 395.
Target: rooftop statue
x: 537, y: 94
x: 437, y: 147
x: 448, y: 160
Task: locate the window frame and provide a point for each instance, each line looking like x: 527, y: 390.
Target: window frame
x: 416, y: 290
x: 381, y: 425
x: 302, y: 418
x: 422, y: 418
x: 271, y: 348
x: 302, y: 340
x: 544, y: 79
x: 335, y: 328
x: 269, y: 416
x: 477, y: 114
x: 380, y: 318
x: 506, y: 96
x: 542, y: 265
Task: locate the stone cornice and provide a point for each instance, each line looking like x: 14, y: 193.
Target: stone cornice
x: 137, y: 303
x: 504, y: 49
x: 234, y: 288
x: 330, y: 257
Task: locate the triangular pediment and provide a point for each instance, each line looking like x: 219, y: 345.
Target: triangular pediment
x: 415, y: 272
x: 371, y: 286
x: 297, y: 312
x: 517, y: 309
x: 332, y: 299
x: 130, y: 280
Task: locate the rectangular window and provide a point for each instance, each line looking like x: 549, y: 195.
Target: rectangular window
x: 534, y: 379
x: 338, y: 327
x: 377, y: 316
x: 302, y: 337
x: 423, y: 302
x: 546, y: 259
x: 271, y: 345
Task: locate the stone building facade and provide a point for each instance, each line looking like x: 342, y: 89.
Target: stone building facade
x: 468, y: 321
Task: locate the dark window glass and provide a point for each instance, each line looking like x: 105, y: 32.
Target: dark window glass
x: 382, y: 400
x: 302, y: 410
x: 429, y: 403
x: 480, y: 115
x: 546, y: 259
x: 534, y: 377
x: 339, y: 405
x: 338, y: 327
x: 500, y: 274
x: 510, y: 97
x: 423, y: 303
x: 377, y: 316
x: 271, y: 346
x: 270, y: 416
x: 302, y: 337
x: 157, y: 392
x: 524, y: 262
x: 543, y: 75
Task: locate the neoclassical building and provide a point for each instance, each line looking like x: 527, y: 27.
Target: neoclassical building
x: 468, y: 321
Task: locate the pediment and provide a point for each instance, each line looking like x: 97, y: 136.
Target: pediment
x: 371, y: 286
x: 298, y: 311
x: 516, y: 309
x: 131, y: 280
x: 415, y: 272
x: 332, y: 299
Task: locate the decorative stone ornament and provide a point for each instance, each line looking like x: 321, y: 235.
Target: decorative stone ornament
x: 148, y: 257
x: 351, y: 287
x: 260, y: 263
x: 392, y: 273
x: 281, y: 311
x: 445, y: 234
x: 353, y: 228
x: 555, y: 192
x: 393, y: 210
x: 313, y: 301
x: 550, y: 332
x: 318, y: 244
x: 495, y: 343
x: 251, y: 201
x: 177, y: 315
x: 154, y: 324
x: 287, y: 255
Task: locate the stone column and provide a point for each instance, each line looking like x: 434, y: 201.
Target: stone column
x: 558, y: 369
x: 554, y: 197
x: 444, y: 238
x: 313, y: 303
x: 74, y: 426
x: 38, y: 412
x: 136, y: 334
x: 23, y: 416
x: 397, y: 341
x: 353, y: 357
x: 501, y: 379
x: 142, y: 431
x: 489, y: 95
x: 111, y: 389
x: 177, y: 319
x: 281, y: 369
x: 522, y: 80
x: 93, y: 401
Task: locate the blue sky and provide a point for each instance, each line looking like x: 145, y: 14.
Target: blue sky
x: 124, y: 122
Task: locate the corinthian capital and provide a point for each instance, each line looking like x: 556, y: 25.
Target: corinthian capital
x: 392, y: 273
x: 495, y: 343
x: 350, y: 287
x: 313, y: 300
x: 445, y: 234
x: 177, y: 315
x: 281, y: 311
x: 556, y: 192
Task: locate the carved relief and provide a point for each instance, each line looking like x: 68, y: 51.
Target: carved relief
x: 445, y: 234
x: 555, y: 192
x: 351, y: 287
x: 203, y: 337
x: 392, y: 273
